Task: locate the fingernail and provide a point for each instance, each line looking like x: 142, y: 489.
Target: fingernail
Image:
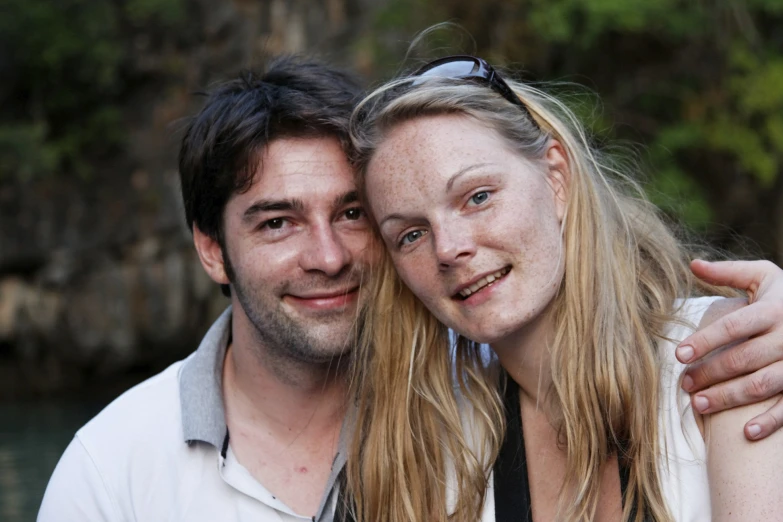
x: 687, y: 383
x: 701, y: 403
x: 754, y: 430
x: 685, y: 353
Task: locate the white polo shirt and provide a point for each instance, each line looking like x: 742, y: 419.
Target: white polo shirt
x: 161, y: 452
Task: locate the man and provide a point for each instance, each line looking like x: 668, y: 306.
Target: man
x: 249, y: 426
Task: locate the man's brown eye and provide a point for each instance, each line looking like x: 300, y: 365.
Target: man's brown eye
x: 353, y: 213
x: 275, y: 224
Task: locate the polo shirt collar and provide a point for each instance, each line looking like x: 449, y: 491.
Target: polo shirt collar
x: 200, y: 386
x: 203, y: 414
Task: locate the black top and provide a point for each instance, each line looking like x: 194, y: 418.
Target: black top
x: 512, y: 487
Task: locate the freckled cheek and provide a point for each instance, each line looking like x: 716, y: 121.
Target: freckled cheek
x: 536, y: 228
x: 430, y: 292
x: 540, y: 249
x: 542, y: 261
x: 415, y: 279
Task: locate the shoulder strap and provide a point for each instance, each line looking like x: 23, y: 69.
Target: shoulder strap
x: 511, y: 488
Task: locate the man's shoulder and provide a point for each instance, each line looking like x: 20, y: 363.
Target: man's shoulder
x: 135, y: 447
x: 149, y: 411
x: 140, y: 436
x: 132, y: 462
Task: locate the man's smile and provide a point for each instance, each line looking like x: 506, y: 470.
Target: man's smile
x: 324, y: 300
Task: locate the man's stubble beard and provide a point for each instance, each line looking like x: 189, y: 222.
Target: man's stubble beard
x: 290, y: 339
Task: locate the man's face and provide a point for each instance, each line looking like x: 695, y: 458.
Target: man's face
x: 298, y: 243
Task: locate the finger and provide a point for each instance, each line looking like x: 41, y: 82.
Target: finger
x: 746, y: 322
x: 744, y: 275
x: 734, y: 361
x: 765, y: 424
x: 748, y: 389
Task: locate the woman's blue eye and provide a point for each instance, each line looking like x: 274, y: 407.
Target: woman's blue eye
x: 410, y: 237
x: 479, y: 197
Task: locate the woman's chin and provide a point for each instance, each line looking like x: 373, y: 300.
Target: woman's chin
x: 480, y: 336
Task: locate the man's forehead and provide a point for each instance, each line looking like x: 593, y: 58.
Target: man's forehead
x: 302, y: 157
x: 313, y: 170
x: 325, y: 149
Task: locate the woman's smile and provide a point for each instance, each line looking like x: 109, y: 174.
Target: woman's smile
x: 468, y: 292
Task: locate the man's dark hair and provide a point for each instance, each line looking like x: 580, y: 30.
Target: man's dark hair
x: 293, y: 98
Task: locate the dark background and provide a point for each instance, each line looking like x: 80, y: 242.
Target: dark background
x: 99, y: 286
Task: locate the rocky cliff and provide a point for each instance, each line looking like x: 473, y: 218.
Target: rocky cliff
x: 97, y: 273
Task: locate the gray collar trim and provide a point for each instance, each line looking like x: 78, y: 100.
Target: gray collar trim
x: 338, y: 464
x: 200, y: 386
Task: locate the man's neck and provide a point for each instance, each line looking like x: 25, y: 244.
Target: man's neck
x: 282, y: 395
x: 284, y: 418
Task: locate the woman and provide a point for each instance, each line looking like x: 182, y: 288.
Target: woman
x: 502, y: 223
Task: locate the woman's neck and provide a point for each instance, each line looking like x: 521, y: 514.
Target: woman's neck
x: 525, y: 355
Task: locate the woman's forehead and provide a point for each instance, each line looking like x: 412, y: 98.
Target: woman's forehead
x: 434, y: 141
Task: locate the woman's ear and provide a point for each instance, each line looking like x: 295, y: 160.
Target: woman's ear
x: 558, y: 175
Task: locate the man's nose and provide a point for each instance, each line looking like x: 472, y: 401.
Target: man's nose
x: 325, y: 251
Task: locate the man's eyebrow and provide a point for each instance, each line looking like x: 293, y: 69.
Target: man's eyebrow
x: 464, y: 170
x: 346, y: 199
x: 267, y: 205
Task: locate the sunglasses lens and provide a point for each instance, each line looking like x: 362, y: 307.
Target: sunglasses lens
x: 456, y: 69
x: 469, y: 67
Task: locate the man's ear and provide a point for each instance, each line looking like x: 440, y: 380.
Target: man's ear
x: 210, y: 255
x: 558, y: 175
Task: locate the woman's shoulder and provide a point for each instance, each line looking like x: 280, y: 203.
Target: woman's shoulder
x: 693, y: 313
x: 683, y: 452
x: 716, y: 307
x: 694, y: 310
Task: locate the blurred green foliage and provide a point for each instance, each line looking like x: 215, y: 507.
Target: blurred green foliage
x: 699, y: 83
x: 67, y: 66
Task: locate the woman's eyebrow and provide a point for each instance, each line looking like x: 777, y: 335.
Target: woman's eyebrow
x: 449, y: 186
x: 390, y: 217
x: 464, y: 170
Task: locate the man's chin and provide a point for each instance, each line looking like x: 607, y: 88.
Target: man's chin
x: 306, y: 335
x: 330, y: 343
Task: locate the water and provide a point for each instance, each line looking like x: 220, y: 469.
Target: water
x: 33, y: 435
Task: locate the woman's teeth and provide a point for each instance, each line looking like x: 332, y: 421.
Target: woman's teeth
x: 484, y: 281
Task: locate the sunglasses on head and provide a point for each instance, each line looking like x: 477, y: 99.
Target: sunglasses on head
x: 464, y: 67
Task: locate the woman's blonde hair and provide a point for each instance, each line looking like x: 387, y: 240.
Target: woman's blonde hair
x: 412, y: 456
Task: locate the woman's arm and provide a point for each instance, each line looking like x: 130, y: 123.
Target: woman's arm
x: 746, y: 478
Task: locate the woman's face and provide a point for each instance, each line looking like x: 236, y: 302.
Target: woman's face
x: 473, y: 228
